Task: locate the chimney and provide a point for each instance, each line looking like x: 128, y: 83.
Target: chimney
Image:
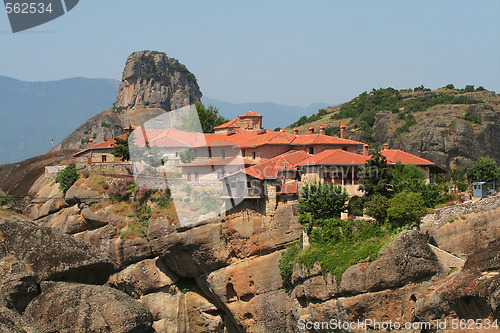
x: 296, y: 130
x: 342, y: 131
x: 282, y: 130
x: 311, y: 129
x: 386, y: 146
x: 322, y: 129
x: 365, y: 149
x: 91, y: 142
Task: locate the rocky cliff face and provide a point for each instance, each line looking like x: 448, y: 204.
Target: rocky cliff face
x: 152, y: 83
x: 447, y: 134
x: 443, y: 136
x: 222, y: 275
x: 151, y: 79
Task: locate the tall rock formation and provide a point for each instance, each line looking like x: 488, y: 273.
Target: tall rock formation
x: 152, y: 84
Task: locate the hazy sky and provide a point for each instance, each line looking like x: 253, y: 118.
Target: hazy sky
x: 289, y: 52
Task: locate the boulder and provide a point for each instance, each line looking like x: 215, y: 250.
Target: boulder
x: 465, y: 228
x: 77, y: 194
x: 472, y: 292
x: 17, y: 283
x: 12, y: 322
x: 53, y: 255
x: 251, y: 291
x: 192, y: 252
x: 408, y: 258
x: 143, y: 277
x: 71, y: 307
x: 102, y: 217
x: 67, y: 220
x: 174, y: 311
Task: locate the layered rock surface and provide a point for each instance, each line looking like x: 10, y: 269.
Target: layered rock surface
x: 222, y: 274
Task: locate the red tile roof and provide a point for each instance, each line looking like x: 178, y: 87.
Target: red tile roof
x: 241, y: 138
x: 232, y: 123
x: 250, y: 114
x: 335, y: 157
x: 109, y: 143
x: 220, y: 162
x: 398, y: 155
x: 308, y: 139
x: 342, y: 157
x: 270, y: 168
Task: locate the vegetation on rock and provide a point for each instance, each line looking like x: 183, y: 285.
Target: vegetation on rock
x: 67, y: 177
x: 484, y: 169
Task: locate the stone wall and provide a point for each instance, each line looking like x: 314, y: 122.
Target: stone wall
x: 442, y: 216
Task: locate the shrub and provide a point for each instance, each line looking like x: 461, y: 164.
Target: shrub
x: 286, y: 264
x: 6, y: 199
x: 377, y: 207
x: 67, y: 177
x: 462, y: 187
x: 473, y: 119
x: 338, y: 244
x: 406, y: 208
x: 484, y: 169
x: 121, y: 190
x: 322, y: 200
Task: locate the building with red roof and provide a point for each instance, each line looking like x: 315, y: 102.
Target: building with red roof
x: 250, y: 121
x: 99, y: 153
x: 255, y: 163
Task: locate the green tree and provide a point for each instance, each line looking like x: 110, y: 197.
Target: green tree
x: 408, y: 177
x: 458, y: 174
x: 484, y: 169
x: 469, y: 88
x: 67, y: 177
x: 121, y: 148
x: 209, y: 117
x: 322, y: 200
x: 187, y: 156
x: 376, y: 176
x: 406, y: 208
x: 377, y: 207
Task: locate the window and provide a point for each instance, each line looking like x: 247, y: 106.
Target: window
x: 103, y: 158
x: 253, y: 155
x: 232, y: 184
x: 176, y: 154
x: 311, y: 150
x: 189, y: 176
x: 249, y: 184
x: 223, y: 153
x: 243, y: 152
x: 344, y: 148
x: 196, y: 176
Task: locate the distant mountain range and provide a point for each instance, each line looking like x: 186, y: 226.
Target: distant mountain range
x: 34, y: 113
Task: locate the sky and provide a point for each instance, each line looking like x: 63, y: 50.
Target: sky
x: 287, y: 52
